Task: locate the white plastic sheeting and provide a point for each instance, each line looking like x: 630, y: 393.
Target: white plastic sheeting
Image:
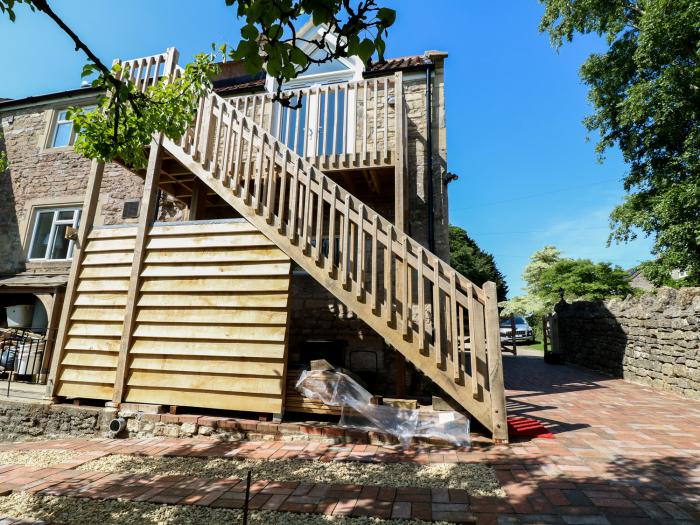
x: 338, y: 389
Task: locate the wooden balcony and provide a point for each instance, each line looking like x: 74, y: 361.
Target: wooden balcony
x: 353, y: 125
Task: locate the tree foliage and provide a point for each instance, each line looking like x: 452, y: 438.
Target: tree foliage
x: 475, y: 264
x: 645, y: 90
x: 548, y: 276
x: 125, y: 120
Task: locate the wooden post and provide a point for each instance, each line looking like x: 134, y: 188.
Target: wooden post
x: 513, y: 334
x: 87, y: 220
x: 495, y: 365
x: 148, y: 207
x: 400, y: 374
x: 544, y: 334
x: 399, y: 168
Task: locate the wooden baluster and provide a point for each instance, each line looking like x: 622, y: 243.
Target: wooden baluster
x: 334, y: 147
x: 346, y: 126
x: 229, y: 148
x: 365, y: 115
x: 361, y: 251
x: 238, y: 160
x: 194, y: 150
x: 319, y: 220
x: 318, y: 151
x: 279, y: 113
x: 461, y: 339
x: 305, y: 233
x: 404, y: 285
x: 217, y: 138
x: 287, y: 125
x: 248, y: 171
x: 375, y: 263
x: 257, y: 190
x: 386, y: 115
x: 421, y: 299
x: 325, y: 152
x: 307, y: 136
x: 293, y: 192
x: 345, y: 266
x: 205, y: 157
x: 388, y: 264
x: 297, y: 127
x: 456, y: 373
x: 437, y: 331
x: 282, y: 203
x: 477, y: 339
x: 330, y: 262
x: 263, y: 105
x: 374, y: 116
x: 271, y: 185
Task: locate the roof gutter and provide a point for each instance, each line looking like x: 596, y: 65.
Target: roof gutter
x: 38, y: 99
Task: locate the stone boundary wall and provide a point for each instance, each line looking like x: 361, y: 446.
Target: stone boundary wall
x: 653, y: 339
x: 22, y: 420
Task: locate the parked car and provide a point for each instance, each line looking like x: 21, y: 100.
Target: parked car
x: 523, y: 331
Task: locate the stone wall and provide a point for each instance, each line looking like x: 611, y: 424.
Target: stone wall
x: 653, y: 339
x: 40, y: 176
x: 20, y: 420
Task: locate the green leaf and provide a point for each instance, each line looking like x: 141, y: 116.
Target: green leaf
x: 299, y: 57
x: 249, y: 32
x: 386, y: 16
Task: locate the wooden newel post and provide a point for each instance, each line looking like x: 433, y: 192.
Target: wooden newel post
x: 149, y: 204
x: 495, y: 365
x: 87, y: 219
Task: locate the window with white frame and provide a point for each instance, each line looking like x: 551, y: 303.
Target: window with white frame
x: 63, y: 132
x: 48, y: 242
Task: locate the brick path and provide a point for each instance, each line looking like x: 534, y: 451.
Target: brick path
x: 621, y: 454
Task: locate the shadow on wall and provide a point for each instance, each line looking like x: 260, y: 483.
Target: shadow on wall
x: 590, y: 335
x: 11, y: 260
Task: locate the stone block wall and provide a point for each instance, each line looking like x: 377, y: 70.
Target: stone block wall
x: 40, y: 176
x: 653, y: 339
x: 20, y: 420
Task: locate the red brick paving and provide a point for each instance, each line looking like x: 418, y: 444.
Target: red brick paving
x: 621, y: 454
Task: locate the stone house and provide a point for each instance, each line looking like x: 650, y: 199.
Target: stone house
x: 375, y: 136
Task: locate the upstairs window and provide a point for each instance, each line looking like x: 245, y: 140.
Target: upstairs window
x: 49, y: 241
x: 63, y: 132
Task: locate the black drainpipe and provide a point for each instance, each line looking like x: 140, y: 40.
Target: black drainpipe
x: 429, y: 147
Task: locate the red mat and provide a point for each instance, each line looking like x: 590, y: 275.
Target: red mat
x: 527, y: 427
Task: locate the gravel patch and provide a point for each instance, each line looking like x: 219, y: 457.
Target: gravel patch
x: 476, y: 478
x: 81, y: 511
x: 35, y: 458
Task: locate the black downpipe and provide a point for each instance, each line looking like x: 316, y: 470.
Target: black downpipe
x: 429, y: 147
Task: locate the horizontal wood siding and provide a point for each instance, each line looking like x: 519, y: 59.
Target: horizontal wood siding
x: 89, y: 355
x: 211, y: 319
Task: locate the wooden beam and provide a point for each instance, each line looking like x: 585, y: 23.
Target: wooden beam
x: 400, y: 137
x: 495, y: 366
x: 87, y: 221
x: 149, y: 203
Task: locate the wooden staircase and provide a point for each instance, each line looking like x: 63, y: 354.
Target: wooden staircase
x: 440, y: 321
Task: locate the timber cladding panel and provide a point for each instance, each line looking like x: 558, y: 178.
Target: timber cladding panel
x: 91, y: 348
x: 210, y: 317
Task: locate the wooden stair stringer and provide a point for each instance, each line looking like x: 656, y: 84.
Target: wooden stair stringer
x: 478, y: 408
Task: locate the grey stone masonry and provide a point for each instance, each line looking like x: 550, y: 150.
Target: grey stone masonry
x: 653, y: 339
x: 22, y: 420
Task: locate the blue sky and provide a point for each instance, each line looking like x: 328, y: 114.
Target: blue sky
x: 528, y: 176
